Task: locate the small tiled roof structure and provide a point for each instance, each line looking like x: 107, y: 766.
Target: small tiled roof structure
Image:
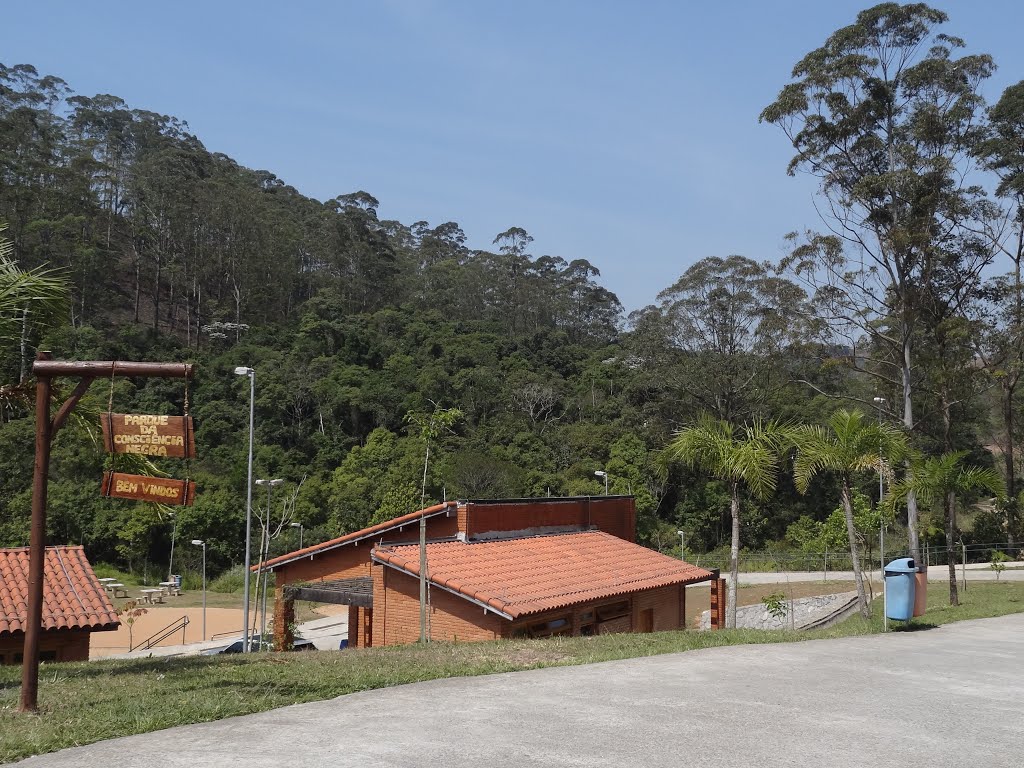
x: 72, y: 597
x: 355, y: 536
x: 526, y: 575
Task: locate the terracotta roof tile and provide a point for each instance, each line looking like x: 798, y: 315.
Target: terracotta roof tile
x: 521, y: 576
x: 355, y: 536
x: 72, y: 597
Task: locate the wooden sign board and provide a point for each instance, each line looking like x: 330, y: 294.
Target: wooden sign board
x: 170, y: 436
x: 143, y: 488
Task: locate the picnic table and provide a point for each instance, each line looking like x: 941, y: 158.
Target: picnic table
x: 152, y: 595
x: 116, y: 588
x: 106, y: 580
x: 170, y: 588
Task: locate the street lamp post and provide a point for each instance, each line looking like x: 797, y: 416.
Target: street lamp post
x: 602, y: 473
x: 243, y: 371
x: 174, y: 533
x: 682, y: 545
x: 264, y: 548
x: 299, y: 526
x: 880, y: 401
x: 201, y: 543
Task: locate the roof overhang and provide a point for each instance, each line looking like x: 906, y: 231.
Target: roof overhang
x: 448, y: 509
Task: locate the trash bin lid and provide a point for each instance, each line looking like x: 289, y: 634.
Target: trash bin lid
x: 901, y: 565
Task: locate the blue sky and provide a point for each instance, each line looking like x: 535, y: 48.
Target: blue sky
x: 622, y: 133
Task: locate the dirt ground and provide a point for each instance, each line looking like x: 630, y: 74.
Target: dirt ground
x: 159, y: 616
x: 218, y: 619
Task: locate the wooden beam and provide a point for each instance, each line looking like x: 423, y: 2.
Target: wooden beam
x: 69, y: 405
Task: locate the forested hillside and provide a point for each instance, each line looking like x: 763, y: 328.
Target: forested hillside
x: 360, y: 329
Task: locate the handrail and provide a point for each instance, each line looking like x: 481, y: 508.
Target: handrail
x: 226, y: 634
x: 161, y: 634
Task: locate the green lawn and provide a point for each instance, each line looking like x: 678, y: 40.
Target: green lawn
x: 83, y: 703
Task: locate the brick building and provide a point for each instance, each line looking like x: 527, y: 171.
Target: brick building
x: 74, y: 605
x: 508, y: 568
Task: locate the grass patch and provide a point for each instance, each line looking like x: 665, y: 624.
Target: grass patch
x: 84, y: 703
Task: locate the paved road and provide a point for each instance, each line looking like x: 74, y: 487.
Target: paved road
x: 943, y: 697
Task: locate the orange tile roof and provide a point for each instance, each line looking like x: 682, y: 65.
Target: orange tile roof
x: 521, y: 576
x: 72, y: 597
x: 387, y: 525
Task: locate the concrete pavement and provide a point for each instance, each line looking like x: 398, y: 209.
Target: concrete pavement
x: 942, y: 697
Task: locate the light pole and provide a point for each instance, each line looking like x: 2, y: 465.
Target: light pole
x: 243, y: 371
x: 201, y: 543
x: 602, y: 473
x: 174, y: 532
x: 264, y: 548
x: 682, y: 545
x: 880, y: 401
x: 299, y: 526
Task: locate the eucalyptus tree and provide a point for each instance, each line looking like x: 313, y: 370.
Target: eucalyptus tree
x: 938, y: 480
x: 851, y: 444
x: 1001, y: 346
x: 886, y: 115
x: 731, y: 318
x: 744, y: 457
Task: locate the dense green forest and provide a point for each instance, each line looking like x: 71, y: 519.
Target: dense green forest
x: 360, y: 329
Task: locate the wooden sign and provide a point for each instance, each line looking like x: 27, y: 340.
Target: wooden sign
x: 149, y: 435
x: 143, y: 488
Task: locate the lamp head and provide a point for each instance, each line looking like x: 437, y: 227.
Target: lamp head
x: 600, y: 473
x: 879, y: 400
x: 295, y: 525
x: 243, y: 371
x: 199, y: 542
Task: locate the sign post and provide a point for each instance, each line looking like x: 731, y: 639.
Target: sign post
x: 45, y: 370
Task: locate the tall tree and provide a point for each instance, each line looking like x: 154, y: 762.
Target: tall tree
x: 732, y: 318
x: 1001, y: 346
x: 887, y: 116
x: 744, y: 457
x: 851, y: 444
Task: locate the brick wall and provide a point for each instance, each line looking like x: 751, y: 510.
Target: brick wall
x: 664, y: 602
x: 613, y: 514
x: 396, y: 612
x: 69, y: 645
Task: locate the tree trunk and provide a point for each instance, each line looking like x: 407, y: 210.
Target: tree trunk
x: 851, y: 532
x: 908, y: 422
x: 734, y: 560
x: 1010, y: 516
x: 954, y: 598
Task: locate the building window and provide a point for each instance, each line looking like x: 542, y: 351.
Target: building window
x: 612, y: 610
x: 552, y: 628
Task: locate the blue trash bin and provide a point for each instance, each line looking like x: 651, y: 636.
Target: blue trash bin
x: 900, y: 586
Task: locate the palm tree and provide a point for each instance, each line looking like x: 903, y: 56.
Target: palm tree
x: 748, y: 456
x: 39, y: 294
x: 940, y: 479
x: 851, y: 443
